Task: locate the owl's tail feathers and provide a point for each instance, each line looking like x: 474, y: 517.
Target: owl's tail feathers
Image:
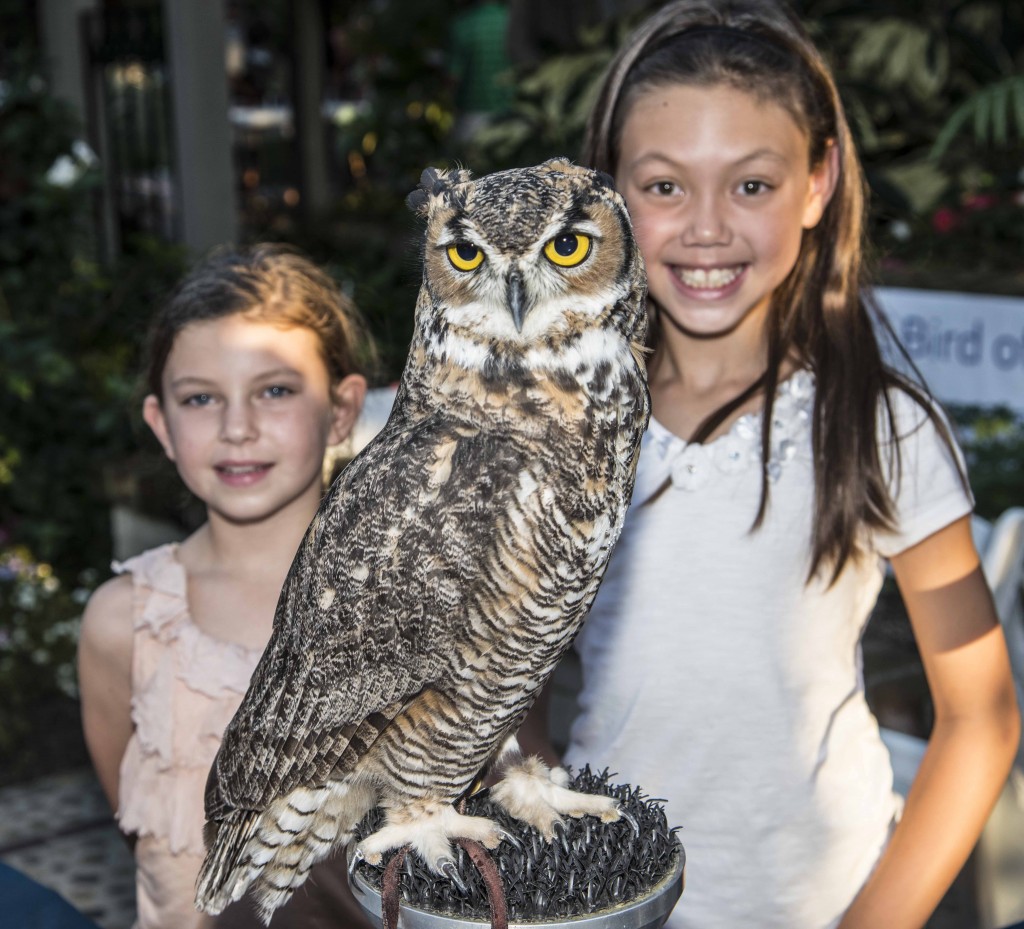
x: 272, y: 852
x: 224, y: 875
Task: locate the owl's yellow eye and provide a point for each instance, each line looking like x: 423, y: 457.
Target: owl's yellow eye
x: 568, y: 250
x: 465, y: 257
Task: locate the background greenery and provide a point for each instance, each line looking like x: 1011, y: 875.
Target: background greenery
x: 70, y: 330
x: 935, y: 92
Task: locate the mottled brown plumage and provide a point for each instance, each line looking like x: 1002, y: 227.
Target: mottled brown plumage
x: 454, y: 560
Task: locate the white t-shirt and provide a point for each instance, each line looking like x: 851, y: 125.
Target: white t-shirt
x: 714, y: 678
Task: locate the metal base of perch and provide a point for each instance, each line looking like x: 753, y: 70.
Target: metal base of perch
x: 593, y: 875
x: 647, y: 912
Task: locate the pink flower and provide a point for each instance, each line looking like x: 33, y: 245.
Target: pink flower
x: 975, y: 202
x: 945, y: 219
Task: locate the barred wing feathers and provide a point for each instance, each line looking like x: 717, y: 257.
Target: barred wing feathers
x: 374, y: 608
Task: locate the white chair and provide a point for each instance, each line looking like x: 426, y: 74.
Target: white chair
x: 375, y: 413
x: 999, y: 857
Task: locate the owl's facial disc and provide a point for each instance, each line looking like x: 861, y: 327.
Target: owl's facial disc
x: 513, y: 282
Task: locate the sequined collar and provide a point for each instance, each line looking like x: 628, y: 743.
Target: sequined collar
x: 690, y: 466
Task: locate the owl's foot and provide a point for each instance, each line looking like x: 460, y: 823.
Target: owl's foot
x: 429, y: 829
x: 536, y: 794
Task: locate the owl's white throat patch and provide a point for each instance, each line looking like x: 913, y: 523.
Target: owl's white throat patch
x: 475, y: 327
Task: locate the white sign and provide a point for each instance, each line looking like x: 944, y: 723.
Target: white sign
x: 969, y: 347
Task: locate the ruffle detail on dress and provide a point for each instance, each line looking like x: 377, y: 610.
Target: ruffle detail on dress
x: 205, y: 664
x: 212, y: 666
x: 690, y: 466
x: 186, y: 687
x: 162, y: 576
x: 156, y: 802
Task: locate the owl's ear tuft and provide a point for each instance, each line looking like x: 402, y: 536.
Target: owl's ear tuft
x: 419, y: 200
x: 434, y: 183
x: 559, y: 163
x: 604, y: 179
x: 430, y: 177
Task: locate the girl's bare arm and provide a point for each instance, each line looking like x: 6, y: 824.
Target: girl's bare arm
x: 973, y: 741
x: 104, y: 675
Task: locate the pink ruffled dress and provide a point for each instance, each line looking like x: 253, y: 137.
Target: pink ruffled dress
x: 186, y: 686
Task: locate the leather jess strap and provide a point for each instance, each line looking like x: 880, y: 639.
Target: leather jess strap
x: 480, y: 858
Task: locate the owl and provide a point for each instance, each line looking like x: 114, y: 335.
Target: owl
x: 454, y: 560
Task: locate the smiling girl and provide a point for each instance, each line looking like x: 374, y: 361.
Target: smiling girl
x: 254, y: 369
x: 785, y: 461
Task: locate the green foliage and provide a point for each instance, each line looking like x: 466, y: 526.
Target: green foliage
x: 39, y: 622
x: 383, y: 142
x: 934, y: 94
x: 549, y: 112
x: 407, y: 122
x: 993, y: 444
x: 989, y: 111
x: 552, y: 102
x: 70, y: 331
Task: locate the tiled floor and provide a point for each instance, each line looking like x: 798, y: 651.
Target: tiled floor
x: 59, y: 832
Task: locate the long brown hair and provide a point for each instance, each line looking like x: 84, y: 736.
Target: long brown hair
x: 821, y: 315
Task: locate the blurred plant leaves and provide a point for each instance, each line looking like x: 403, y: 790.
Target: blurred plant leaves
x: 900, y: 55
x: 989, y: 112
x: 70, y: 333
x: 921, y: 183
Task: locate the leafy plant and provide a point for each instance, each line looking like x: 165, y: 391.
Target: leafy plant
x: 993, y: 442
x: 39, y: 622
x: 70, y: 331
x: 989, y: 111
x: 552, y: 101
x: 380, y: 145
x: 915, y: 80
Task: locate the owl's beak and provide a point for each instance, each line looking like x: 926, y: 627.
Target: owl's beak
x: 517, y: 302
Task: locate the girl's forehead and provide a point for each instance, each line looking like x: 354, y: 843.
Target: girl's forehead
x: 237, y: 341
x: 718, y: 121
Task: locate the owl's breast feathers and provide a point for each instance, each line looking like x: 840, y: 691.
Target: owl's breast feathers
x: 451, y: 545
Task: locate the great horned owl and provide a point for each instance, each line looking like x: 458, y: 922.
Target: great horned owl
x: 454, y: 560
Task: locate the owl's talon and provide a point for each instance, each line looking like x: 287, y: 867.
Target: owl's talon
x: 505, y: 836
x: 629, y: 818
x: 447, y: 867
x: 355, y: 860
x: 530, y: 792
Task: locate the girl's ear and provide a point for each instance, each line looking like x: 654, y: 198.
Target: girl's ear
x: 347, y: 402
x: 153, y: 414
x: 823, y: 180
